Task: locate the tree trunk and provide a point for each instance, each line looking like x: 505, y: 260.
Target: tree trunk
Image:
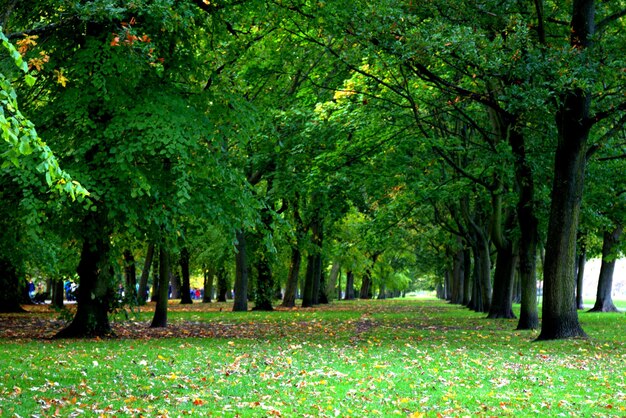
x: 529, y: 236
x: 185, y: 297
x: 502, y: 301
x: 209, y: 275
x: 94, y: 291
x: 559, y: 314
x: 264, y: 284
x: 366, y: 286
x: 349, y: 286
x: 332, y: 279
x: 309, y: 282
x: 241, y: 274
x: 382, y: 292
x: 580, y: 274
x: 312, y: 277
x: 458, y: 278
x: 322, y: 294
x: 10, y: 294
x: 604, y: 300
x: 174, y: 285
x: 145, y: 274
x: 159, y: 320
x: 289, y: 300
x: 467, y: 280
x: 57, y: 294
x: 154, y: 295
x: 222, y: 285
x: 130, y: 273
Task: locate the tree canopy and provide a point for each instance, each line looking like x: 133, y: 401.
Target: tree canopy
x: 444, y: 144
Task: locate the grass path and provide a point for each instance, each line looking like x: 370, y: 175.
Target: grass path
x: 350, y: 359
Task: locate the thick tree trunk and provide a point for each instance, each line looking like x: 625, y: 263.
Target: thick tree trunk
x: 604, y: 300
x: 241, y: 274
x: 349, y: 286
x: 10, y: 294
x: 145, y: 274
x: 580, y: 275
x: 94, y: 291
x: 222, y: 285
x: 366, y: 286
x: 502, y: 301
x: 264, y: 285
x: 289, y: 300
x: 309, y: 282
x: 185, y: 297
x: 312, y: 278
x: 57, y: 294
x: 159, y: 320
x: 559, y: 314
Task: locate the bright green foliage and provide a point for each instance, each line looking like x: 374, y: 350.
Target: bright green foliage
x: 21, y: 137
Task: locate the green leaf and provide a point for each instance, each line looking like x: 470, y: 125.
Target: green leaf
x: 30, y: 80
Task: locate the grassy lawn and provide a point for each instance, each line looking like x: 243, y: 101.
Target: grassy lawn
x: 414, y: 357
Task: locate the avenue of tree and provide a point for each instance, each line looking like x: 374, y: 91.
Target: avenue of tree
x: 322, y: 150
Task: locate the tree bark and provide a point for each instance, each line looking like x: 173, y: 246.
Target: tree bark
x: 95, y: 275
x: 312, y: 278
x: 458, y: 277
x: 57, y: 293
x: 159, y: 320
x: 145, y: 274
x: 10, y: 295
x: 580, y: 274
x: 222, y: 285
x: 209, y: 275
x: 241, y: 274
x: 264, y: 280
x: 502, y: 301
x: 289, y: 300
x: 604, y: 300
x: 154, y: 294
x: 349, y: 286
x: 130, y: 273
x: 467, y: 280
x: 332, y: 279
x: 559, y: 314
x: 185, y: 297
x: 573, y: 121
x: 264, y: 285
x: 529, y: 236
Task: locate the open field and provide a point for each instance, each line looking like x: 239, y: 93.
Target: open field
x: 351, y: 359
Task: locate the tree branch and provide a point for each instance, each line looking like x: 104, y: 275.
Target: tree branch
x: 609, y: 19
x: 461, y: 171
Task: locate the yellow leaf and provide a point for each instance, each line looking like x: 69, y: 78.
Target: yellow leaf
x: 61, y: 79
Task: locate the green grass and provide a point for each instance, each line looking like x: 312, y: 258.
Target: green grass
x: 374, y: 358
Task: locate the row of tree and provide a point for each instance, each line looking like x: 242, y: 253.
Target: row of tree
x: 390, y: 140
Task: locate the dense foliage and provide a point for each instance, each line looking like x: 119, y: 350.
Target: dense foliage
x: 289, y: 147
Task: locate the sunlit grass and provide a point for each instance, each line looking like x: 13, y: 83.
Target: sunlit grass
x: 361, y: 358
